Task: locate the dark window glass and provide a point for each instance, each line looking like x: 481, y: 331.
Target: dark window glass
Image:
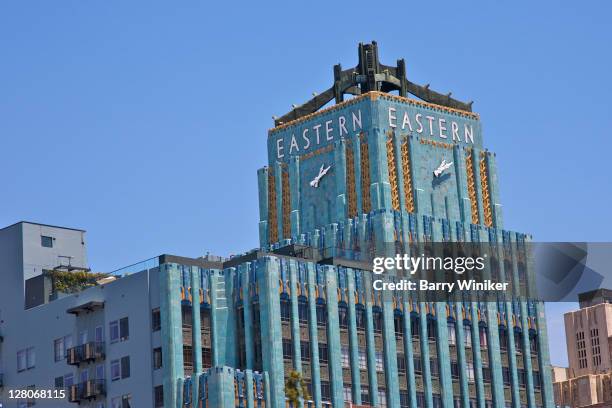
x: 287, y: 349
x: 321, y: 315
x: 59, y: 382
x: 46, y: 242
x: 157, y: 358
x: 325, y: 391
x: 159, y: 396
x: 124, y: 328
x: 401, y: 363
x: 361, y: 321
x: 305, y: 350
x: 125, y: 367
x: 343, y: 316
x: 323, y: 353
x: 303, y: 310
x: 156, y: 319
x: 378, y: 321
x: 285, y: 307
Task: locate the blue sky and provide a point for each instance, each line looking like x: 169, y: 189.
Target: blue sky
x: 144, y: 122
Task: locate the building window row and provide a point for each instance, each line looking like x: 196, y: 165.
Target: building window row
x: 119, y: 330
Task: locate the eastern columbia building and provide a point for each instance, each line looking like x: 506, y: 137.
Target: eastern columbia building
x: 350, y: 173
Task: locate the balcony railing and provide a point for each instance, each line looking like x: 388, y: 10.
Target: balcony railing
x: 85, y: 353
x: 86, y: 391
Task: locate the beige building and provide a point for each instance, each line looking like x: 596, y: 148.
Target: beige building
x: 587, y: 382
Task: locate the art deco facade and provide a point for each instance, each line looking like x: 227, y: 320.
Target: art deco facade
x: 341, y: 184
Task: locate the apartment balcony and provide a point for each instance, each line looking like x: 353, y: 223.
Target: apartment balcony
x: 86, y: 391
x: 85, y: 353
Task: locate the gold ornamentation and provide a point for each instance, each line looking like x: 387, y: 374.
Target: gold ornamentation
x: 395, y: 202
x: 351, y: 196
x: 272, y: 221
x: 366, y: 202
x: 471, y: 185
x: 486, y: 196
x: 408, y: 193
x: 286, y: 204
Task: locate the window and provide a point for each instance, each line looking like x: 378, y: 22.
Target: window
x: 46, y: 241
x: 124, y: 329
x: 157, y: 358
x: 404, y: 399
x: 84, y: 376
x: 119, y: 330
x: 115, y: 370
x: 99, y: 334
x: 303, y: 310
x: 113, y: 328
x: 346, y: 393
x: 452, y: 338
x: 322, y: 353
x: 401, y: 363
x: 100, y: 372
x: 126, y: 401
x: 83, y: 337
x: 365, y: 395
x: 26, y: 359
x: 467, y: 335
x: 482, y: 332
x: 287, y: 349
x: 363, y: 358
x: 361, y: 320
x: 67, y: 344
x: 345, y: 357
x: 158, y: 393
x: 433, y: 367
x: 378, y: 321
x: 285, y: 308
x: 325, y: 391
x: 68, y: 380
x: 382, y: 399
x: 343, y: 316
x: 418, y: 367
x: 379, y: 362
x: 321, y: 315
x: 59, y: 382
x: 305, y: 350
x: 469, y: 368
x: 30, y: 357
x: 58, y: 349
x: 125, y: 367
x: 156, y: 320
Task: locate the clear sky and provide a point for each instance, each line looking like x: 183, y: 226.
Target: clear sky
x: 144, y: 122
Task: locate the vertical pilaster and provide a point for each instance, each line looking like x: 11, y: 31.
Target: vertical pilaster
x: 333, y: 336
x: 380, y: 189
x: 461, y: 355
x: 244, y: 271
x: 498, y: 219
x: 268, y: 276
x: 390, y: 351
x: 295, y: 323
x: 425, y: 360
x: 480, y: 391
x: 340, y: 173
x: 171, y: 331
x: 370, y: 343
x: 262, y: 182
x: 294, y: 183
x: 196, y: 339
x: 313, y: 335
x: 548, y: 398
x: 353, y: 339
x: 409, y: 353
x: 248, y: 380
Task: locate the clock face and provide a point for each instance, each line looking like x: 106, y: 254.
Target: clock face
x: 317, y: 191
